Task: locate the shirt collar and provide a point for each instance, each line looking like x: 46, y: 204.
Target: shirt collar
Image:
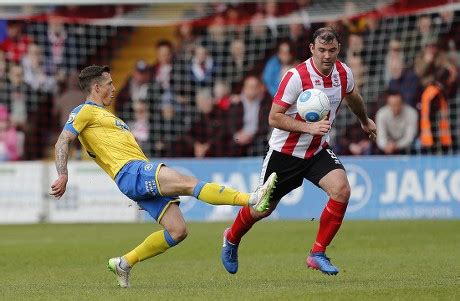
x: 312, y: 62
x: 89, y: 102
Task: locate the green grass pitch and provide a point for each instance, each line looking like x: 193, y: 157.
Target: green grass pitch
x: 378, y: 260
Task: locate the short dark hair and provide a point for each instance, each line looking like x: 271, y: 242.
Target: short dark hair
x: 393, y: 92
x: 90, y: 74
x: 287, y: 42
x: 252, y: 75
x: 326, y: 35
x: 164, y: 43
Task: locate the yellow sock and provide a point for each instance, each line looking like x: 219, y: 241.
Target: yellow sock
x: 156, y: 243
x: 215, y: 194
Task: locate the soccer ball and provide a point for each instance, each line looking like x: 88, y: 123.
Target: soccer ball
x: 313, y: 105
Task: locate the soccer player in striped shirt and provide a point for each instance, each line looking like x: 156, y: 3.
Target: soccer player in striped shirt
x: 154, y: 186
x: 299, y: 150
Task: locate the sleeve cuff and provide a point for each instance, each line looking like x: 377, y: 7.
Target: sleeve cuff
x: 70, y: 128
x: 281, y: 103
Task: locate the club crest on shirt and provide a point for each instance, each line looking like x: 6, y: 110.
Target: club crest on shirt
x: 121, y: 125
x: 71, y: 118
x: 335, y: 80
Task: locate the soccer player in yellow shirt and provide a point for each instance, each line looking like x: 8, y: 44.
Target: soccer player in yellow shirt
x: 154, y: 186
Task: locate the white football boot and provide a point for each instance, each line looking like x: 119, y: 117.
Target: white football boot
x: 121, y: 274
x: 260, y: 198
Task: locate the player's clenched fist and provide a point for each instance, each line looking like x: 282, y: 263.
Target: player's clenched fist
x: 321, y: 127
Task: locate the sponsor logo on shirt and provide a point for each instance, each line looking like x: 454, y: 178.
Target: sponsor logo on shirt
x: 335, y: 80
x: 333, y: 98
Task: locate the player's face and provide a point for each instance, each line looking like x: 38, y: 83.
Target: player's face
x: 106, y: 89
x: 324, y: 55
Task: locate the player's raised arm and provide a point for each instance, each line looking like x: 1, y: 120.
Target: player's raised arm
x: 62, y: 155
x: 355, y: 102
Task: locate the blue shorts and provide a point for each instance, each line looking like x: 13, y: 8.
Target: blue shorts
x: 138, y: 181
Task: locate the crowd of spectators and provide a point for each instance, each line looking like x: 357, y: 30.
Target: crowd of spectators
x: 209, y: 92
x: 415, y: 72
x: 39, y: 82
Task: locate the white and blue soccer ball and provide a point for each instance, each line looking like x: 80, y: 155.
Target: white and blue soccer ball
x: 313, y: 105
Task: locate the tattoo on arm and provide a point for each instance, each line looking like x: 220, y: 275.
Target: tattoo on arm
x: 62, y: 151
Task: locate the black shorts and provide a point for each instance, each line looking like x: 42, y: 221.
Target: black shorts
x: 292, y: 171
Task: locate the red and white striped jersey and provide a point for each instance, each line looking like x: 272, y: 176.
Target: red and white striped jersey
x: 296, y: 80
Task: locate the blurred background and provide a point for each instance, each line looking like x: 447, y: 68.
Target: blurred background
x: 195, y: 82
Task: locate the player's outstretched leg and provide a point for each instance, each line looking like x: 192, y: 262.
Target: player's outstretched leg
x: 260, y: 201
x: 121, y: 274
x: 216, y: 194
x: 319, y: 261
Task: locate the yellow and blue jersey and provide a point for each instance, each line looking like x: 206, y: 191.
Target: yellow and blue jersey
x: 106, y: 138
